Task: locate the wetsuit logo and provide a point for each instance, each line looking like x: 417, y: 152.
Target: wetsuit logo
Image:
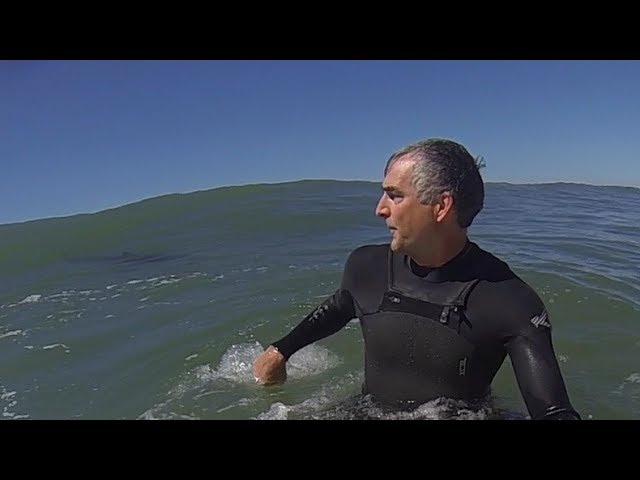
x: 319, y: 311
x: 541, y: 319
x: 462, y: 367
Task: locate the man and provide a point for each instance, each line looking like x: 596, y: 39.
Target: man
x: 438, y: 313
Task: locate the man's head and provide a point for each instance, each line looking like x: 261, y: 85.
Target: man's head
x: 433, y: 186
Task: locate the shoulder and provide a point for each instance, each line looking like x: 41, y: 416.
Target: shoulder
x: 512, y: 307
x: 365, y: 262
x: 512, y: 291
x: 502, y: 294
x: 487, y: 266
x: 367, y: 253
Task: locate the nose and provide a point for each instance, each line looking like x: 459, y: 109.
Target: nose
x: 382, y: 210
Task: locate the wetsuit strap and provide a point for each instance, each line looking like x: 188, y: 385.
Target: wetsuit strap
x: 459, y: 306
x: 389, y: 269
x: 463, y: 296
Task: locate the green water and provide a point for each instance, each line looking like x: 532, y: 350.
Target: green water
x: 157, y: 309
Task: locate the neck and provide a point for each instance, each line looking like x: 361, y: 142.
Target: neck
x: 442, y: 250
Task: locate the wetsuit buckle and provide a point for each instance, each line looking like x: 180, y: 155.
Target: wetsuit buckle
x: 444, y: 316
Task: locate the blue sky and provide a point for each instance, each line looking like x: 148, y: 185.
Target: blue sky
x: 82, y: 136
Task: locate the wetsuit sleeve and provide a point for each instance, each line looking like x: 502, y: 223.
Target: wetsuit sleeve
x: 328, y: 318
x: 530, y: 348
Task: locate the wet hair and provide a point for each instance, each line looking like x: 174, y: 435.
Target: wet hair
x: 441, y: 166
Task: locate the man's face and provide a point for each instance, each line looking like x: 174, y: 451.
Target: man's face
x: 409, y: 221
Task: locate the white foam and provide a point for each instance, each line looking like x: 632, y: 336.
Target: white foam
x: 9, y: 397
x: 166, y: 282
x: 6, y: 395
x: 236, y: 363
x: 235, y: 366
x: 196, y: 275
x: 442, y: 408
x: 109, y: 287
x: 628, y: 385
x: 64, y: 294
x: 153, y: 414
x: 319, y: 401
x: 316, y: 408
x: 133, y: 282
x: 336, y: 401
x: 55, y: 345
x: 633, y: 378
x: 11, y: 334
x: 278, y: 411
x: 311, y: 360
x: 31, y: 299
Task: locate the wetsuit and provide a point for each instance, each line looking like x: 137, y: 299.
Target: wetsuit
x: 441, y: 332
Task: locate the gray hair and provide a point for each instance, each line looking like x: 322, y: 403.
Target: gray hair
x: 441, y: 166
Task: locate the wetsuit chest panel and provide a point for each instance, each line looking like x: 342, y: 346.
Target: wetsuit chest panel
x: 411, y: 354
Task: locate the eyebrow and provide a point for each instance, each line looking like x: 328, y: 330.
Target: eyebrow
x: 390, y: 189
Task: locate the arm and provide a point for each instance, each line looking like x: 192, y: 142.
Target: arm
x: 539, y: 377
x: 328, y: 318
x: 530, y: 347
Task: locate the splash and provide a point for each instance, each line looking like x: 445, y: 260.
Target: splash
x: 231, y: 384
x: 326, y: 404
x: 236, y: 363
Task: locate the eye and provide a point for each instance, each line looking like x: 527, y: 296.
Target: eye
x: 394, y: 197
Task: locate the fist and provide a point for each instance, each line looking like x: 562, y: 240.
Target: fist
x: 270, y: 367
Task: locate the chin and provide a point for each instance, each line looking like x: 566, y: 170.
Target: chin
x: 396, y: 247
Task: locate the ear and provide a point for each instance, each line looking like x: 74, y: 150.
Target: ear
x: 444, y: 206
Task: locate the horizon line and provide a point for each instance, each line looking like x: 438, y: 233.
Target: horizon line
x: 283, y: 182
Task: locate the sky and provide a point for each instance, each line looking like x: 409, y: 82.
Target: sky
x: 82, y: 136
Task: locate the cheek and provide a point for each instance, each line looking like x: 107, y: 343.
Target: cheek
x: 420, y: 221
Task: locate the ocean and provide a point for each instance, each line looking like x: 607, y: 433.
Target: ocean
x: 156, y: 310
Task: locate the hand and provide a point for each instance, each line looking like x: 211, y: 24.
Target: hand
x: 270, y: 367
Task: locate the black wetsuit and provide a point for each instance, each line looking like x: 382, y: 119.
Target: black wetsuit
x: 441, y: 332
